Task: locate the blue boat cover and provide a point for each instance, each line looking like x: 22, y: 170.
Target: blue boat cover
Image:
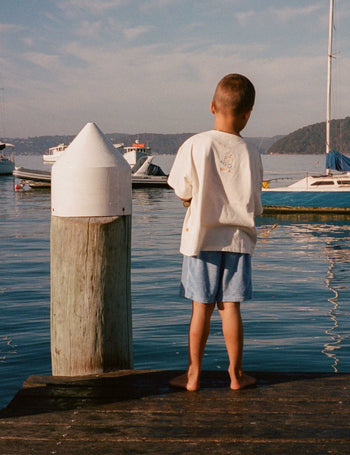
x: 337, y: 161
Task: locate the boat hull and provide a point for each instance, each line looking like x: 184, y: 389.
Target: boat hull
x: 51, y: 158
x: 40, y: 179
x: 6, y: 167
x: 306, y: 201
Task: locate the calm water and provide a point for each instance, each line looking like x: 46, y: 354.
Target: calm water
x: 299, y: 318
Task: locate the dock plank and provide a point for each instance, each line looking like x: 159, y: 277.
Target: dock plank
x: 137, y: 412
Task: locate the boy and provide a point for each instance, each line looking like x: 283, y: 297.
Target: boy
x: 219, y: 177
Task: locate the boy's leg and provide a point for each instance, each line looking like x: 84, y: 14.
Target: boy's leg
x: 232, y: 328
x: 197, y: 338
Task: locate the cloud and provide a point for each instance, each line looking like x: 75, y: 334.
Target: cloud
x: 134, y: 32
x: 49, y: 62
x: 89, y: 29
x: 244, y: 17
x: 281, y: 14
x: 28, y: 41
x: 287, y: 14
x: 9, y: 28
x: 174, y: 89
x: 73, y: 7
x: 89, y: 67
x: 156, y: 4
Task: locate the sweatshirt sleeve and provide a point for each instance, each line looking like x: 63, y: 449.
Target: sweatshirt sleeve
x: 180, y: 177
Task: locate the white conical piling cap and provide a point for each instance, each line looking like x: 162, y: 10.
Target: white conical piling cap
x: 91, y: 178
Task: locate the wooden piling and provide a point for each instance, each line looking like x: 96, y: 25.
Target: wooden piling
x: 90, y: 295
x: 91, y: 328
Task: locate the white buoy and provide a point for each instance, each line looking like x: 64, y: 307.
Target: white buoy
x: 91, y: 329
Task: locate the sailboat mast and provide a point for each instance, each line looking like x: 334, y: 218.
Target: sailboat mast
x: 329, y: 74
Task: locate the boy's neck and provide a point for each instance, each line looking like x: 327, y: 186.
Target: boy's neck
x: 228, y: 123
x: 229, y: 131
x: 226, y: 127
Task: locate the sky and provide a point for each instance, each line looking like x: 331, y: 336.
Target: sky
x: 135, y: 66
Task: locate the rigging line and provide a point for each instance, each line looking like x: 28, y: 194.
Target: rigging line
x: 337, y: 75
x: 261, y: 143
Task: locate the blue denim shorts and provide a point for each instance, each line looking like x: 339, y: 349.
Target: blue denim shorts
x: 217, y: 276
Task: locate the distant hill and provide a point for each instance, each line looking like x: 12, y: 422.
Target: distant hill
x: 312, y: 139
x: 160, y: 143
x: 263, y: 143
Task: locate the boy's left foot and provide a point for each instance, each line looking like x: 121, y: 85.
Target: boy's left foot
x: 183, y: 382
x: 242, y: 382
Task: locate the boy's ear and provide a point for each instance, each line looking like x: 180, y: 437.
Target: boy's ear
x: 212, y: 108
x: 247, y: 114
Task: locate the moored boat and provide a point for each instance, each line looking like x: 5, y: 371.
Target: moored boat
x: 135, y: 152
x: 54, y: 153
x: 327, y: 192
x: 131, y: 153
x: 144, y: 172
x: 7, y: 163
x: 143, y: 176
x: 32, y: 177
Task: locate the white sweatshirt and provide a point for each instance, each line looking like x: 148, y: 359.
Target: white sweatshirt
x: 222, y: 174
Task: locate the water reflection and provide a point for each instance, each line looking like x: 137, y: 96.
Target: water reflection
x: 149, y: 196
x: 336, y: 254
x: 330, y: 348
x: 322, y: 239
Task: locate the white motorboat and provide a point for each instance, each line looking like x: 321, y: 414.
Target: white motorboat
x: 135, y: 152
x: 54, y: 153
x: 131, y: 153
x: 329, y: 191
x: 140, y: 159
x: 145, y: 173
x: 7, y: 163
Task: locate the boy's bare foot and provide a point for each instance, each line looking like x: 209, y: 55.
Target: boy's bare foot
x: 242, y: 382
x: 183, y: 382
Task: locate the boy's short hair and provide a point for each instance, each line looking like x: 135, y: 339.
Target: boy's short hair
x: 234, y: 92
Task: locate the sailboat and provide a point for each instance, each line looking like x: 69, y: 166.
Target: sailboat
x: 329, y: 192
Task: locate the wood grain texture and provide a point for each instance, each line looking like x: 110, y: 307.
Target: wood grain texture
x: 91, y: 326
x: 136, y: 411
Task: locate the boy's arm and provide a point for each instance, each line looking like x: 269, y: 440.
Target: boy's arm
x: 180, y: 177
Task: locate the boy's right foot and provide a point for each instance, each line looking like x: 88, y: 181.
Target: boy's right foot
x: 242, y: 382
x: 183, y: 382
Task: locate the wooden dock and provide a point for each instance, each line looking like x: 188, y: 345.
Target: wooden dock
x: 136, y: 412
